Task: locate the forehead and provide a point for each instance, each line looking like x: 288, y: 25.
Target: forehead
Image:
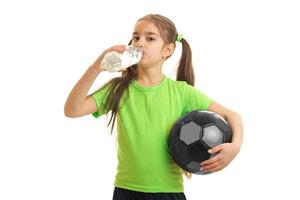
x: 145, y: 27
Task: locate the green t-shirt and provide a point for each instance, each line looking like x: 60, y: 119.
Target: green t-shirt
x: 143, y: 126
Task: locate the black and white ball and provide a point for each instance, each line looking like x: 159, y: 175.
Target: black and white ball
x: 193, y: 135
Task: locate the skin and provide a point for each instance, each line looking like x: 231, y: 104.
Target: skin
x: 147, y: 37
x: 226, y: 152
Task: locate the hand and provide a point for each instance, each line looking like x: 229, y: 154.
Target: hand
x: 225, y: 153
x: 97, y: 63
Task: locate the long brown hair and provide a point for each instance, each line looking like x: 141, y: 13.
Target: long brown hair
x: 117, y: 86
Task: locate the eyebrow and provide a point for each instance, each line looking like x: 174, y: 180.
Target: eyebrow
x: 147, y: 33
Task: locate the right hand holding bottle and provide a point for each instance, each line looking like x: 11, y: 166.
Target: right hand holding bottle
x: 97, y: 64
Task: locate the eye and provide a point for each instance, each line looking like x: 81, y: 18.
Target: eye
x: 150, y: 38
x: 135, y: 38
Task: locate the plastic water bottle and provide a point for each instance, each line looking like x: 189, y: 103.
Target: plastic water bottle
x: 114, y: 61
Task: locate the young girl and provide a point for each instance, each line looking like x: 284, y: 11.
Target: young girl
x: 146, y: 104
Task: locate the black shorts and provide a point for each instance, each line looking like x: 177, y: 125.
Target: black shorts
x: 125, y: 194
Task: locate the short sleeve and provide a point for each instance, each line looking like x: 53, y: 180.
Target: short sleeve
x: 99, y: 97
x: 194, y: 99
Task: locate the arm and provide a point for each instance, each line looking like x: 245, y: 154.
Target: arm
x: 227, y: 151
x: 79, y: 103
x: 234, y: 121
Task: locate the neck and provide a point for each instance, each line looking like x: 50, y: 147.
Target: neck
x: 149, y: 76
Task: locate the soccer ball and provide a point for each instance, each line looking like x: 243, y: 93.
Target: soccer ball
x: 193, y: 135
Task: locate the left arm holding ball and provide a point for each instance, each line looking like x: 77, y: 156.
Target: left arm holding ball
x: 226, y: 152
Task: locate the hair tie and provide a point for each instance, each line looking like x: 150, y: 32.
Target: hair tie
x: 179, y: 37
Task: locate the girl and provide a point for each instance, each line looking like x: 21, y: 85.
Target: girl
x: 146, y: 104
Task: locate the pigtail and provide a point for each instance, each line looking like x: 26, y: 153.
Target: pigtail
x: 185, y: 71
x: 187, y: 174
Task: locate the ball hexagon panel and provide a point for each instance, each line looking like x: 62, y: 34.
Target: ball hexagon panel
x: 212, y: 136
x: 193, y: 166
x: 198, y: 151
x: 181, y: 151
x: 190, y: 132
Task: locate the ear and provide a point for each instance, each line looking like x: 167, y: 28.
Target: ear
x: 169, y: 49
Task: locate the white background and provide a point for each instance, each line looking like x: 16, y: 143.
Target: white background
x: 245, y: 55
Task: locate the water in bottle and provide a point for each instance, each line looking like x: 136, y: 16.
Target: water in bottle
x: 114, y: 61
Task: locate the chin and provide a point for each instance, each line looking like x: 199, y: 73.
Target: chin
x: 142, y: 62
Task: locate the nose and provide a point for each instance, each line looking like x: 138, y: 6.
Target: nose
x: 140, y: 44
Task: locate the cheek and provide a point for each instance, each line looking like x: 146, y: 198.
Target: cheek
x: 153, y: 54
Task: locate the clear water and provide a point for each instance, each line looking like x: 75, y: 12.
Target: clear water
x: 114, y: 61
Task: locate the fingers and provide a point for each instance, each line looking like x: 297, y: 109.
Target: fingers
x: 212, y: 165
x: 213, y: 150
x: 206, y: 168
x: 216, y: 149
x: 222, y: 157
x: 122, y: 69
x: 216, y: 166
x: 214, y: 169
x: 209, y: 161
x: 118, y: 48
